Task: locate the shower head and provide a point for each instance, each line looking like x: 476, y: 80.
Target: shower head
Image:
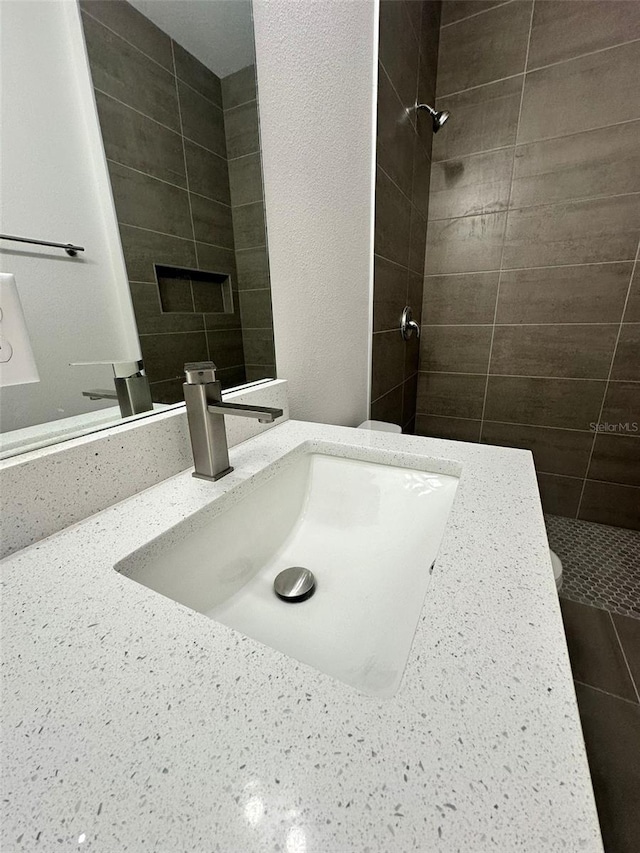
x: 438, y: 116
x: 439, y: 119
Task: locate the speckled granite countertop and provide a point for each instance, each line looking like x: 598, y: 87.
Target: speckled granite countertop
x: 131, y: 723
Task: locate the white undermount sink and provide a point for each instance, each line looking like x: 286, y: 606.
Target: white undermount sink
x: 369, y: 532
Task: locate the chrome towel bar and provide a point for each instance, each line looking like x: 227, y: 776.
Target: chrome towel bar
x: 69, y: 248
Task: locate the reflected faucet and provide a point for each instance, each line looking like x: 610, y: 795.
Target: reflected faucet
x: 205, y: 414
x: 100, y: 394
x: 132, y: 390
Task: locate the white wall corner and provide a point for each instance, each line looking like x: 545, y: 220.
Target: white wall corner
x: 317, y: 73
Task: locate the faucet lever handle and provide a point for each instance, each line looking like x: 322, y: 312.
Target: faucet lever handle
x: 199, y: 372
x: 408, y: 325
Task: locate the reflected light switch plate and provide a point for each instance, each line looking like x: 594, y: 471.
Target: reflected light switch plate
x: 17, y: 364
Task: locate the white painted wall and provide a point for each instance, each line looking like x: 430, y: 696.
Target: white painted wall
x: 54, y: 186
x: 317, y: 82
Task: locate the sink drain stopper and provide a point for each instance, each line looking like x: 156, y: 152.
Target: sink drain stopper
x: 294, y: 584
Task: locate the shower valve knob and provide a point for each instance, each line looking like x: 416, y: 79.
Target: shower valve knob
x: 408, y: 325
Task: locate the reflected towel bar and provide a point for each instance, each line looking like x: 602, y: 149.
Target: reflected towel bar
x: 69, y: 248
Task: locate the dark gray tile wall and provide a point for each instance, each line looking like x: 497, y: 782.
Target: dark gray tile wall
x: 239, y: 99
x: 531, y: 308
x: 604, y: 649
x: 408, y: 40
x: 163, y: 125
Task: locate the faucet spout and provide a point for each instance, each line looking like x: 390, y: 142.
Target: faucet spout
x: 100, y: 394
x: 205, y: 414
x: 263, y: 414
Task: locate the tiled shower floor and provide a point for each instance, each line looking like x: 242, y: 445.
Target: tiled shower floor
x: 601, y: 564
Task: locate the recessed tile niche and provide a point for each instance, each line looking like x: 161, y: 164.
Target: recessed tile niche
x: 188, y: 291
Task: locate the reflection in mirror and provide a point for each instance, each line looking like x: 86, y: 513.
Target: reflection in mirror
x: 176, y: 97
x: 175, y: 90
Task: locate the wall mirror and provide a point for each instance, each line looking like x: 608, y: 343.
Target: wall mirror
x: 130, y: 129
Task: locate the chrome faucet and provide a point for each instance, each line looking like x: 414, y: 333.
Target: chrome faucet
x: 132, y: 389
x: 100, y: 394
x: 205, y: 413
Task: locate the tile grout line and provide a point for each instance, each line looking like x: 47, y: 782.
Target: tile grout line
x: 415, y: 33
x: 139, y: 50
x: 509, y: 208
x: 136, y: 110
x: 397, y: 264
x: 504, y: 232
x: 244, y: 203
x: 591, y: 480
x: 582, y: 598
x: 413, y: 29
x: 541, y: 67
x: 395, y: 91
x: 599, y: 689
x: 160, y: 123
x: 169, y: 183
x: 475, y: 14
x: 523, y: 269
x: 520, y: 424
x: 186, y: 172
x: 542, y: 139
x: 203, y: 147
x: 193, y: 88
x: 528, y: 376
x: 608, y: 380
x: 400, y: 190
x: 417, y: 141
x: 538, y: 141
x: 250, y: 249
x: 413, y: 123
x: 240, y: 156
x: 380, y: 396
x: 145, y: 174
x: 523, y: 325
x: 190, y: 331
x: 416, y: 152
x: 478, y: 153
x: 624, y: 655
x: 480, y: 85
x: 221, y: 369
x: 237, y: 106
x: 208, y: 198
x: 178, y: 237
x: 580, y: 55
